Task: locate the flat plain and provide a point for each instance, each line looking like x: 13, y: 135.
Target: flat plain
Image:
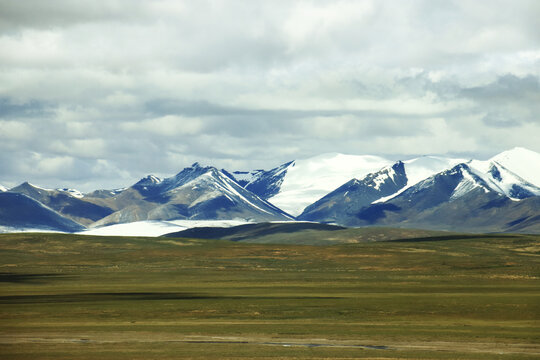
x: 85, y: 297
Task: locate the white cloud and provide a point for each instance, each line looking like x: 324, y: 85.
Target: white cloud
x: 14, y: 130
x: 82, y: 148
x: 153, y: 86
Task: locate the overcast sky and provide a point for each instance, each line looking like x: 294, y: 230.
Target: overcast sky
x: 100, y: 93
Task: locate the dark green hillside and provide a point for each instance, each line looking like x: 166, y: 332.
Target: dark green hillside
x: 251, y: 231
x: 302, y: 233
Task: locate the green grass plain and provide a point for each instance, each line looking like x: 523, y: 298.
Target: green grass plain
x: 84, y: 297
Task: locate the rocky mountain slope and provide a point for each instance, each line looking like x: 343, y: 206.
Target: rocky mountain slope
x: 196, y: 193
x: 22, y: 212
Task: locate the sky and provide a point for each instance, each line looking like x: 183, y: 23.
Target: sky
x: 97, y: 94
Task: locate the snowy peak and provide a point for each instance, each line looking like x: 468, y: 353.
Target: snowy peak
x: 31, y: 190
x: 393, y: 177
x: 185, y: 176
x: 214, y: 183
x: 420, y: 168
x: 3, y: 189
x: 522, y: 162
x: 503, y: 180
x: 267, y: 184
x: 458, y: 199
x: 37, y: 192
x: 307, y: 180
x: 150, y: 180
x: 448, y: 185
x: 469, y: 181
x: 352, y: 196
x: 152, y: 185
x: 195, y: 193
x: 295, y: 185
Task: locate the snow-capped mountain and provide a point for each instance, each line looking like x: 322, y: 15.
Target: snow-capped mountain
x: 2, y: 188
x: 67, y: 202
x: 355, y: 194
x: 196, y: 193
x: 420, y: 168
x: 390, y: 181
x: 522, y: 162
x: 499, y: 194
x: 504, y: 181
x: 297, y: 184
x: 267, y: 184
x: 22, y: 212
x: 455, y: 199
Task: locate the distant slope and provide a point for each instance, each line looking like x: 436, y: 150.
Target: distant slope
x: 347, y: 200
x: 457, y: 199
x: 297, y: 184
x: 195, y: 193
x: 67, y: 202
x: 247, y: 231
x: 103, y: 194
x: 267, y: 184
x: 354, y: 195
x: 21, y: 211
x: 303, y: 233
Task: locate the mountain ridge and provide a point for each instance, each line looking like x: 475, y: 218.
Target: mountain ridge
x: 350, y: 190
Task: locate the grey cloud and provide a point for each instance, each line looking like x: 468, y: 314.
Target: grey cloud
x: 506, y: 88
x: 509, y: 101
x: 58, y: 13
x: 9, y: 108
x: 500, y: 121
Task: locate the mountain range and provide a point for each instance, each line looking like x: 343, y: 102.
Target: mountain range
x: 501, y: 194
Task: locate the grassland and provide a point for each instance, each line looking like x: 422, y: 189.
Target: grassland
x: 82, y: 297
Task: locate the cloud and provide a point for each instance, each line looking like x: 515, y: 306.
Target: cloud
x: 169, y: 125
x: 118, y: 89
x: 500, y: 121
x: 13, y: 130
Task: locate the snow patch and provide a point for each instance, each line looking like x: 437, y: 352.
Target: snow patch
x: 154, y: 228
x: 310, y: 179
x: 247, y: 176
x: 468, y: 184
x: 11, y: 229
x: 382, y: 177
x: 73, y: 192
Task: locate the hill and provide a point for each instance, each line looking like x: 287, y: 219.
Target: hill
x: 303, y: 233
